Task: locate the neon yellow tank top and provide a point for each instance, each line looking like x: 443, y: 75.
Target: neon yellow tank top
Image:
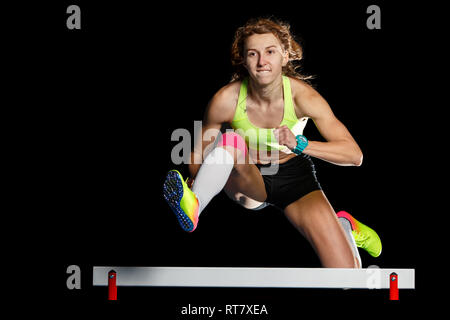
x: 262, y: 138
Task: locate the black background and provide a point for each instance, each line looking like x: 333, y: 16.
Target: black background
x: 108, y: 97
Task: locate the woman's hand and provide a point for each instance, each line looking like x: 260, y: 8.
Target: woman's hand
x: 285, y: 137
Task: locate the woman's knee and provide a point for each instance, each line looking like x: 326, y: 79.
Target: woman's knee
x: 235, y: 145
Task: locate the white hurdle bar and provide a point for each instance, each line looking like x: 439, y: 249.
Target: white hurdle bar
x: 370, y: 278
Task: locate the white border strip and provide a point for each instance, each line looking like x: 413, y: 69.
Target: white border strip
x: 371, y: 278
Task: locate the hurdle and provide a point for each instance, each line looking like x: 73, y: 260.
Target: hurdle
x: 326, y: 278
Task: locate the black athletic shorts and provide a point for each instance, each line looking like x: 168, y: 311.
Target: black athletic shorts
x: 293, y: 180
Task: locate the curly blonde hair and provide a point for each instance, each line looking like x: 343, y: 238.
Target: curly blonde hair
x: 279, y: 29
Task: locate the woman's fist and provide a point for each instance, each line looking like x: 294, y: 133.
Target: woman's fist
x: 285, y: 137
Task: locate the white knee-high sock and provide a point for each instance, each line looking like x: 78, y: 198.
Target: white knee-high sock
x: 212, y: 176
x: 348, y: 232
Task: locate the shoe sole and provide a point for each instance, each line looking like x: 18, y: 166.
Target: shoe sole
x: 173, y: 193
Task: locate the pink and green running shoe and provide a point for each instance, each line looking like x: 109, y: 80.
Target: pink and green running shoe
x: 181, y: 200
x: 365, y: 237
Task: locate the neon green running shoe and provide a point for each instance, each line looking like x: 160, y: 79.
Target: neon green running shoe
x: 365, y: 237
x: 181, y: 200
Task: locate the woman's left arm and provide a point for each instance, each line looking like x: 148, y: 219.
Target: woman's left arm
x: 340, y: 148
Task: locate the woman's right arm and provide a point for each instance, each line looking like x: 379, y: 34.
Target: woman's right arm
x: 220, y: 110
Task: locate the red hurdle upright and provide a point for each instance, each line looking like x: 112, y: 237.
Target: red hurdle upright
x: 112, y: 285
x: 393, y: 286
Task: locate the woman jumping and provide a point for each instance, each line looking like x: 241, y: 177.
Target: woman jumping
x: 266, y: 160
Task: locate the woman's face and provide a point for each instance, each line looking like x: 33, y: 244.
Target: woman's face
x: 264, y: 57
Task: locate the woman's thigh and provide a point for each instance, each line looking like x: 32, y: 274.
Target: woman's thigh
x: 246, y: 185
x: 315, y: 218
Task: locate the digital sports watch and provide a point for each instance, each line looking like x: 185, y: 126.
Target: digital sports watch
x: 302, y: 142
